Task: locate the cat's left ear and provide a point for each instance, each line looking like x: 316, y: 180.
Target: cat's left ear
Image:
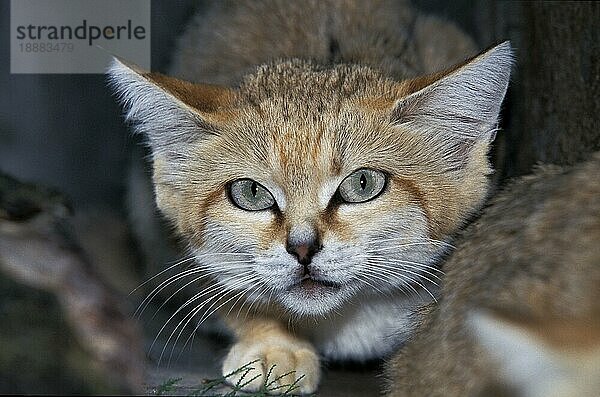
x: 168, y: 111
x: 462, y: 103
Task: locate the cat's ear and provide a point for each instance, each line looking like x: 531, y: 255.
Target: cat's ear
x: 166, y: 110
x: 462, y: 103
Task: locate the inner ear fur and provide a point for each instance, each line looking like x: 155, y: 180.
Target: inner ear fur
x: 169, y: 111
x: 206, y: 99
x: 462, y: 102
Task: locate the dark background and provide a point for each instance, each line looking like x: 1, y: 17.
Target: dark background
x: 66, y: 131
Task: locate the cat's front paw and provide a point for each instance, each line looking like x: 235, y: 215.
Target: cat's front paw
x: 279, y: 365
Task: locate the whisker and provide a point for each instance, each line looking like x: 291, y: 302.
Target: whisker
x: 402, y: 269
x: 243, y: 281
x: 365, y: 281
x: 195, y: 280
x: 384, y: 259
x: 406, y: 264
x: 204, y: 316
x: 254, y: 301
x: 199, y: 267
x: 405, y: 277
x: 181, y: 262
x: 183, y: 306
x: 412, y: 240
x: 186, y: 260
x: 174, y: 278
x: 240, y: 293
x: 375, y: 275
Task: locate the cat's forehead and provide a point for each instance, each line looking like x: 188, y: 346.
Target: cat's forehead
x: 298, y: 82
x: 297, y: 107
x: 303, y: 127
x: 297, y: 153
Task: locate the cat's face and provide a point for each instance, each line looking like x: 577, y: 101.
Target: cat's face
x: 308, y: 186
x: 316, y: 210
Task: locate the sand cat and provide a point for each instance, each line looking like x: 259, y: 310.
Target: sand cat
x: 317, y: 168
x: 519, y: 313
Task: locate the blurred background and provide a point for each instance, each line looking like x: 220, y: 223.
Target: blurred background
x: 66, y: 132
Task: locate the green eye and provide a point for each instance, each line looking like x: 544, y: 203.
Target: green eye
x: 250, y: 195
x: 362, y: 185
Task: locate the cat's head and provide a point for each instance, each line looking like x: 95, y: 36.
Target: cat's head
x: 307, y: 185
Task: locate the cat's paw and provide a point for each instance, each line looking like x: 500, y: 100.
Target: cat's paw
x: 279, y: 365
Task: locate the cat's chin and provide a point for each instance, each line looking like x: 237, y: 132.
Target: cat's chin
x: 313, y: 297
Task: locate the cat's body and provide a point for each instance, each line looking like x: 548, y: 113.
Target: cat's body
x: 519, y: 313
x: 318, y: 194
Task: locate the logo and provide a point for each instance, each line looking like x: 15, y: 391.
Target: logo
x: 78, y: 36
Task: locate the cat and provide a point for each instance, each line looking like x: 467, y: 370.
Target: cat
x: 519, y: 312
x: 317, y: 163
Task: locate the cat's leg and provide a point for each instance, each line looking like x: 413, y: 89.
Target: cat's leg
x: 279, y: 357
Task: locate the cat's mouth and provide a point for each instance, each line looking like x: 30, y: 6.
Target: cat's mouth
x: 312, y: 285
x: 310, y: 295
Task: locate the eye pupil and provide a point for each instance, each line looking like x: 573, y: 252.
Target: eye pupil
x: 250, y: 195
x: 362, y: 185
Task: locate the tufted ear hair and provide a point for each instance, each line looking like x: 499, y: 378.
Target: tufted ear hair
x: 460, y: 105
x: 168, y: 111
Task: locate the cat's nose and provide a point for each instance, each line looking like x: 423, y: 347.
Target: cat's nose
x: 303, y: 242
x: 303, y: 252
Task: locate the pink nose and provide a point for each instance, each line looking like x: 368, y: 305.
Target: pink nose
x: 303, y: 252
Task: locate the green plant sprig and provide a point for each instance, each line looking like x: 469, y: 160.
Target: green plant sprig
x: 268, y: 389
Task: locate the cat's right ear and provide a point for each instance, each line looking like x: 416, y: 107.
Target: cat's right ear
x: 458, y: 108
x: 168, y: 111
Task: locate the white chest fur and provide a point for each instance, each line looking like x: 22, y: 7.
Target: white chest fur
x: 365, y: 329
